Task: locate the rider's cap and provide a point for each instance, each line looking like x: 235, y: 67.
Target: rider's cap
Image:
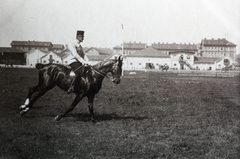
x: 80, y: 32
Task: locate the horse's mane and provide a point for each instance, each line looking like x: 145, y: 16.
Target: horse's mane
x: 104, y: 63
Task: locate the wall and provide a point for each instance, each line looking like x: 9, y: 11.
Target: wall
x: 132, y: 63
x: 34, y: 57
x: 55, y: 58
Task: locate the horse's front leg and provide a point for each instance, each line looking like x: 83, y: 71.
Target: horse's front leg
x: 90, y: 107
x: 77, y: 99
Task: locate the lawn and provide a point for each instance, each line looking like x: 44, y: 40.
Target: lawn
x: 148, y: 115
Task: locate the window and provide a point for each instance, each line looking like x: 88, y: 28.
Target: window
x: 175, y: 64
x: 66, y: 62
x: 188, y: 57
x: 131, y: 63
x: 44, y: 61
x: 140, y: 64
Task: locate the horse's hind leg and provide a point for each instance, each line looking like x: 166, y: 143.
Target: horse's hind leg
x: 77, y: 99
x: 33, y: 95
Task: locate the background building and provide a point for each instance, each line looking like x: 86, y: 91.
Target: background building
x: 96, y: 55
x: 217, y: 48
x: 31, y: 45
x: 148, y: 58
x: 129, y: 48
x: 173, y: 47
x: 12, y: 56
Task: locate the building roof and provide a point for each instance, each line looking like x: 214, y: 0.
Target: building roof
x: 31, y: 43
x: 34, y: 50
x: 149, y: 52
x: 10, y: 50
x: 97, y: 57
x: 217, y: 42
x: 64, y: 53
x: 85, y: 49
x: 131, y: 45
x: 57, y: 46
x: 174, y: 46
x: 206, y: 60
x: 50, y: 53
x: 102, y: 51
x: 181, y: 51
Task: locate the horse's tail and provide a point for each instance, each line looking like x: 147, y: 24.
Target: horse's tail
x: 39, y: 66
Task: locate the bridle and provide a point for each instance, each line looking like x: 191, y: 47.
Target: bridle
x: 105, y: 74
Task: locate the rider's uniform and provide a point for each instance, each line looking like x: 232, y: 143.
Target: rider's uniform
x: 78, y: 53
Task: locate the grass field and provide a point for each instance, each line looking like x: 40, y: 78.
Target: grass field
x: 148, y: 115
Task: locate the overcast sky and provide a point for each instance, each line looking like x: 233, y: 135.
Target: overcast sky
x: 147, y: 21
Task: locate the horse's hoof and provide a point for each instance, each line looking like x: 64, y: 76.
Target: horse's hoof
x: 22, y: 107
x: 22, y: 112
x: 58, y: 117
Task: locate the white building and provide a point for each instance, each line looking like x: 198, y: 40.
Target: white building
x: 182, y: 60
x: 51, y: 57
x: 146, y: 58
x: 212, y: 63
x: 34, y: 56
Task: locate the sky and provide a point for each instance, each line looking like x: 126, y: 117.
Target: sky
x: 108, y: 23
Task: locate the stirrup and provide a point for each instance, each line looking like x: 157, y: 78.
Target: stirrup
x: 70, y: 90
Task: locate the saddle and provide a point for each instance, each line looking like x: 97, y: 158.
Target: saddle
x: 77, y: 68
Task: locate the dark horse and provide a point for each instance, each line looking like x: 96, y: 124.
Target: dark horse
x: 88, y: 82
x: 164, y: 67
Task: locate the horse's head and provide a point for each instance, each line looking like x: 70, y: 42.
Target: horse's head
x: 116, y: 70
x: 113, y: 66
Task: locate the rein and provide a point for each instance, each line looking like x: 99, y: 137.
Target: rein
x: 104, y: 74
x: 98, y: 71
x: 101, y: 73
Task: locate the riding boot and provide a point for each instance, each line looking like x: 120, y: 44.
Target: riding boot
x: 71, y: 88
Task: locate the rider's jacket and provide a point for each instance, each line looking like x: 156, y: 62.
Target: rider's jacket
x: 77, y: 52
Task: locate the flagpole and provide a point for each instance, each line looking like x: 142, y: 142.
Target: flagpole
x: 122, y: 46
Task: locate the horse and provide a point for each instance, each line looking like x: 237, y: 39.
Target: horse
x: 164, y: 67
x: 87, y: 83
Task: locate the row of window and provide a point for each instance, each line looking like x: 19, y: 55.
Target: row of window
x: 217, y: 54
x: 66, y: 62
x: 31, y: 48
x: 220, y: 48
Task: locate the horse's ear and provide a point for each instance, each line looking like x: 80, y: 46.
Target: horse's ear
x: 120, y: 58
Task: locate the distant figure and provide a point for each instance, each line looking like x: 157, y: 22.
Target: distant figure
x: 78, y: 56
x: 164, y: 67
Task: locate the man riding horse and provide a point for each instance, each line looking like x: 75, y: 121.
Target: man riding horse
x: 78, y: 55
